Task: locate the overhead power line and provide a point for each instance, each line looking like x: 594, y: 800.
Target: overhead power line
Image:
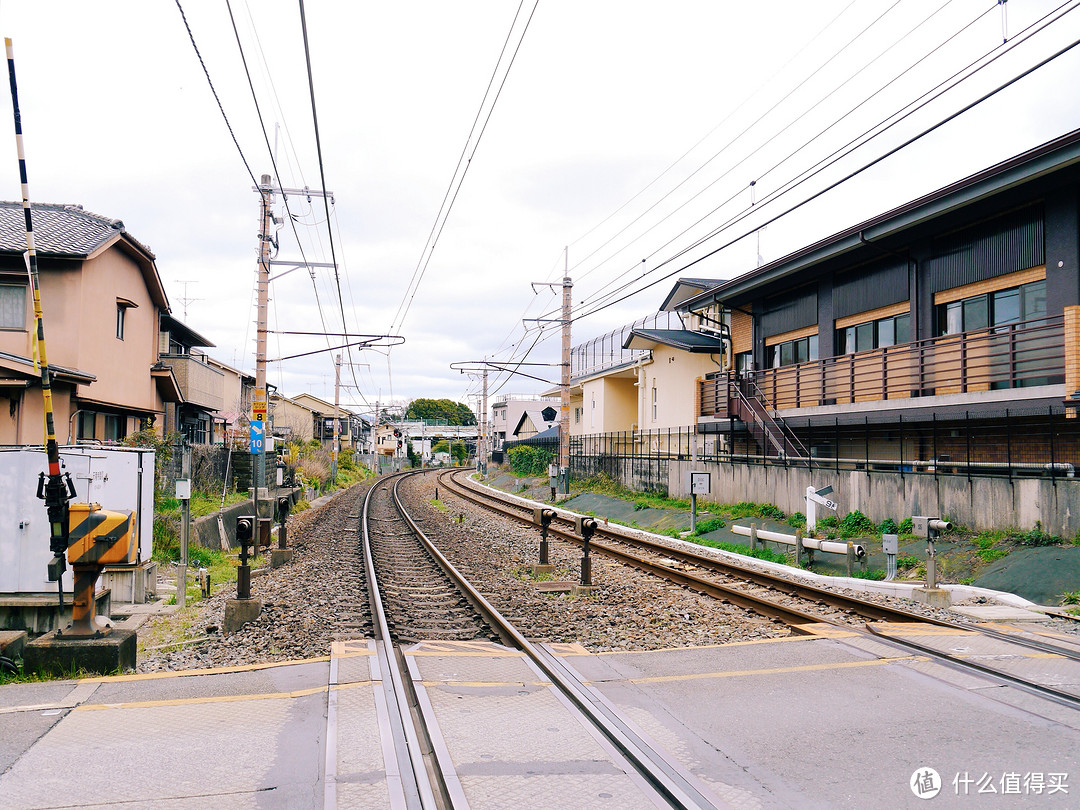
x: 462, y: 168
x: 213, y: 90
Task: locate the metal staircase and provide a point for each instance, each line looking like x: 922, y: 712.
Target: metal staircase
x: 749, y: 405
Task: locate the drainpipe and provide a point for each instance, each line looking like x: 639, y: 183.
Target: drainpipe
x: 71, y: 422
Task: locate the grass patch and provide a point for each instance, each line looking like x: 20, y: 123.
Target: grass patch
x: 869, y: 573
x: 73, y: 674
x: 438, y: 504
x: 710, y: 525
x: 907, y: 561
x: 991, y: 554
x: 1070, y: 598
x: 758, y: 554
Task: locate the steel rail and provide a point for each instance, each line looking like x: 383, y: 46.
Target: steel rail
x: 669, y: 781
x: 848, y: 603
x: 1042, y: 690
x: 412, y: 776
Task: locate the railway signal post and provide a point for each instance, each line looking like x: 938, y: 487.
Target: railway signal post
x: 585, y: 526
x: 281, y: 555
x: 243, y: 608
x: 543, y: 517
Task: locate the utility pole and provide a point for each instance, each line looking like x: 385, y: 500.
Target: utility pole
x: 337, y: 417
x: 564, y: 387
x: 258, y: 402
x: 562, y: 482
x: 266, y: 190
x: 483, y: 448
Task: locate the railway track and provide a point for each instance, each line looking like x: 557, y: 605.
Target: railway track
x: 416, y: 594
x: 798, y: 604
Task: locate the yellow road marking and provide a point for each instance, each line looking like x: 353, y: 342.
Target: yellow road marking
x: 712, y: 646
x: 194, y: 701
x: 777, y: 670
x: 183, y: 673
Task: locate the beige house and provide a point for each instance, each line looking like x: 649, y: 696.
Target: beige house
x: 291, y: 419
x: 237, y: 388
x: 643, y: 376
x: 200, y: 385
x: 323, y: 421
x: 102, y: 299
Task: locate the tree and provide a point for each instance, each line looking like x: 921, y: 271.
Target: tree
x: 455, y: 413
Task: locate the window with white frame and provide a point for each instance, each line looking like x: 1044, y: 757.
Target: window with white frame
x: 654, y: 401
x: 12, y: 306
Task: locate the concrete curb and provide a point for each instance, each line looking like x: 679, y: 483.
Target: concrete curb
x: 959, y: 593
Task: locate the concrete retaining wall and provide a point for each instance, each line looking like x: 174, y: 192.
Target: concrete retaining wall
x: 982, y: 503
x: 205, y: 531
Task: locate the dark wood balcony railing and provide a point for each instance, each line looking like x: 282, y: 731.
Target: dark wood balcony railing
x: 1003, y: 357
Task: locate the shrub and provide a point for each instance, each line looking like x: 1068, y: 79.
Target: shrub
x: 526, y: 460
x: 768, y: 510
x: 828, y: 522
x: 710, y: 525
x: 1070, y: 598
x: 797, y: 520
x: 907, y: 561
x: 1037, y: 537
x: 855, y: 524
x: 906, y: 526
x: 888, y: 526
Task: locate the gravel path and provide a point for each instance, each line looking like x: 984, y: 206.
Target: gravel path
x: 306, y: 603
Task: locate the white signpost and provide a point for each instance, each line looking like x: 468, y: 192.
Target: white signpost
x: 813, y: 498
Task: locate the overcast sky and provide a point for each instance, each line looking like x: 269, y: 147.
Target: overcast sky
x: 625, y: 132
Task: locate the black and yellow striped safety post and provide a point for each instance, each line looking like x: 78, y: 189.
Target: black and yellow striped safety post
x: 96, y: 537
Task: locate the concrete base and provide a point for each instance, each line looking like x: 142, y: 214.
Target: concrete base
x: 59, y: 655
x: 536, y: 570
x: 556, y: 587
x: 280, y: 556
x: 935, y: 597
x: 239, y: 612
x: 133, y: 584
x: 40, y: 612
x: 582, y: 590
x: 12, y: 643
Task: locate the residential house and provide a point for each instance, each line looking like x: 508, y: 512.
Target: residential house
x: 290, y: 419
x: 102, y: 300
x: 534, y: 421
x: 935, y: 346
x: 238, y: 388
x: 323, y: 412
x: 506, y: 412
x: 199, y: 384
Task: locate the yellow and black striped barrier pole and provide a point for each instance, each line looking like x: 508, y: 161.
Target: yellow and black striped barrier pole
x: 57, y: 491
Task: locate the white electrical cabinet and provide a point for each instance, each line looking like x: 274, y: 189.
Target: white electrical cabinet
x: 119, y: 479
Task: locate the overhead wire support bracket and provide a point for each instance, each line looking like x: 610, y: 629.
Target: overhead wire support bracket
x: 369, y: 343
x: 295, y: 265
x: 489, y: 364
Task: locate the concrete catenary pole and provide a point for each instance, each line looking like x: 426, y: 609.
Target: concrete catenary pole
x: 564, y: 387
x: 258, y: 402
x: 337, y: 417
x: 485, y: 448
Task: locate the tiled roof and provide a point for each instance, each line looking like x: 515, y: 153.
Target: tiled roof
x: 59, y: 230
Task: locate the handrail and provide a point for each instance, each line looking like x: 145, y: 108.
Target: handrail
x: 1001, y: 357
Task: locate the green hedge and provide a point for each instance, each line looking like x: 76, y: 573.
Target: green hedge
x: 526, y: 460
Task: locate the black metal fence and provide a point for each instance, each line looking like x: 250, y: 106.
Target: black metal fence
x: 1012, y: 443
